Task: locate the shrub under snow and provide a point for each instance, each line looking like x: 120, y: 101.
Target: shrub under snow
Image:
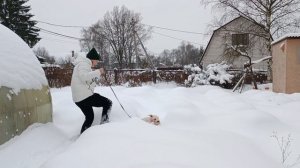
x: 197, y: 77
x: 215, y: 74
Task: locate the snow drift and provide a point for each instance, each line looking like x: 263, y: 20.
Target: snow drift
x: 203, y: 126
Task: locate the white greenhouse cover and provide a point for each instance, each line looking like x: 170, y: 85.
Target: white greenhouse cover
x: 19, y: 67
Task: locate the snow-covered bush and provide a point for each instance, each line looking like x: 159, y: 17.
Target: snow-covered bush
x: 215, y: 74
x: 197, y: 76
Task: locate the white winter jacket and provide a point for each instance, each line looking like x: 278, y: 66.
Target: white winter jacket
x: 83, y: 79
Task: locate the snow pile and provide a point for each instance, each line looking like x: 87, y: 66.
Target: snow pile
x: 262, y: 59
x: 204, y: 126
x: 136, y: 144
x: 34, y: 147
x: 215, y: 74
x: 19, y: 67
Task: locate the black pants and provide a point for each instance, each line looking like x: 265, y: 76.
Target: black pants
x: 87, y: 105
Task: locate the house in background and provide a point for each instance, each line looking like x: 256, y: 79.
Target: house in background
x: 239, y: 34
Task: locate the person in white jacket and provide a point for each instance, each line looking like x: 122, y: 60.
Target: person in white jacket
x: 83, y: 82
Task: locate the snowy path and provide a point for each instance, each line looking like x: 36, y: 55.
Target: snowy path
x: 201, y: 127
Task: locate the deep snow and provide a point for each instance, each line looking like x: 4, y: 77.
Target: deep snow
x: 203, y: 126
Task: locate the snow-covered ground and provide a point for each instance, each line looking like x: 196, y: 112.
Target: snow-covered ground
x: 204, y: 126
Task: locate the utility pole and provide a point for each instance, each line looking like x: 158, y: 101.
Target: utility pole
x: 140, y: 41
x: 136, y: 52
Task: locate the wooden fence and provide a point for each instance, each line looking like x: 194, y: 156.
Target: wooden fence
x: 61, y: 77
x: 58, y: 77
x: 260, y: 76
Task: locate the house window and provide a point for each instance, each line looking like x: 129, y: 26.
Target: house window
x: 240, y: 39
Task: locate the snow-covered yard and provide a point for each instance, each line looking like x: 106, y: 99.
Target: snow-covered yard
x: 204, y: 126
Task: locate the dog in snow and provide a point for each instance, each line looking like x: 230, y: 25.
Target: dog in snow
x: 152, y: 119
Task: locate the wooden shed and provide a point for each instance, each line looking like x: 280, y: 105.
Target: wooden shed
x: 286, y: 64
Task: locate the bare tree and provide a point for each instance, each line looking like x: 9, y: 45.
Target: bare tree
x: 165, y: 58
x: 184, y: 54
x: 42, y: 52
x: 65, y: 62
x: 93, y: 37
x: 187, y: 54
x: 274, y: 16
x: 114, y: 35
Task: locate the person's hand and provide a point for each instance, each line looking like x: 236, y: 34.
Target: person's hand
x: 102, y: 71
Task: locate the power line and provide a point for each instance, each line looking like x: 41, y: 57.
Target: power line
x: 58, y: 40
x: 58, y: 34
x: 176, y: 30
x: 158, y: 27
x: 58, y: 25
x: 76, y: 38
x: 176, y: 38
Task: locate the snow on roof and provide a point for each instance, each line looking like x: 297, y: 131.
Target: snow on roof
x: 289, y: 35
x: 19, y: 67
x: 262, y: 59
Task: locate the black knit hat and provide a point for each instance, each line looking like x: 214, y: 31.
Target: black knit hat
x: 93, y: 55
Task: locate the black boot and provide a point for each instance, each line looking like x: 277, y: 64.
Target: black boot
x: 104, y: 119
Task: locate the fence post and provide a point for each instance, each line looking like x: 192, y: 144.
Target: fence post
x: 154, y: 76
x: 116, y: 76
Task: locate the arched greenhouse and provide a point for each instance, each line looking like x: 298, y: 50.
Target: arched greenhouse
x: 24, y: 93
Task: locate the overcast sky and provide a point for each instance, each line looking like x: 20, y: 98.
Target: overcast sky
x: 188, y: 15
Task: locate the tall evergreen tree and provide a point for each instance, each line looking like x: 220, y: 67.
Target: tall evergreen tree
x: 15, y: 15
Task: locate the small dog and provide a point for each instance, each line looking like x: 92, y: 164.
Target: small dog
x: 152, y: 119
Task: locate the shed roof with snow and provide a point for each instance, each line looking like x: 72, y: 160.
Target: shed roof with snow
x: 289, y: 35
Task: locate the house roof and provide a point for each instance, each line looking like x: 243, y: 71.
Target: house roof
x: 290, y: 35
x: 207, y: 47
x: 222, y: 27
